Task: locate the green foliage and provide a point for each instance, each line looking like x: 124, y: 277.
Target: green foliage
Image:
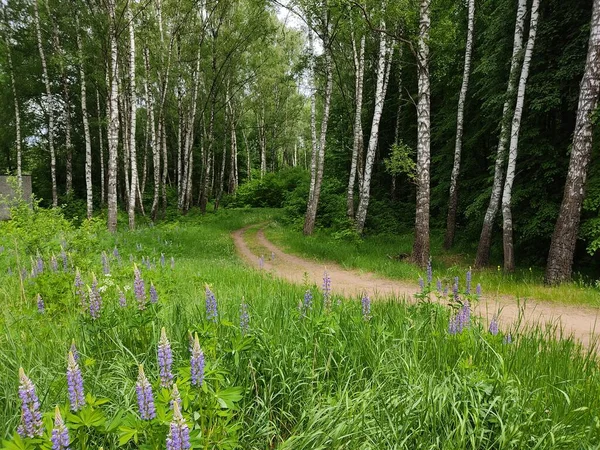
x: 401, y: 161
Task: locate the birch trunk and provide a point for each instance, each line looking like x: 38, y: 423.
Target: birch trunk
x: 133, y: 191
x: 421, y: 244
x: 359, y: 68
x: 153, y: 144
x: 507, y: 223
x: 113, y: 124
x: 233, y: 173
x: 453, y: 200
x: 205, y: 191
x: 17, y: 113
x: 165, y: 161
x: 398, y: 116
x: 263, y: 143
x: 313, y: 201
x: 363, y: 203
x: 221, y: 175
x: 68, y: 141
x: 248, y: 162
x: 313, y: 123
x: 101, y: 145
x: 86, y: 128
x: 485, y: 240
x: 562, y: 247
x: 49, y: 104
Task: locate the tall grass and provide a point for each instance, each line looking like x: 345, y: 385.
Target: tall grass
x: 307, y: 381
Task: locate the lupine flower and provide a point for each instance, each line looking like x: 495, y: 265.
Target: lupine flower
x: 162, y: 259
x: 212, y: 313
x: 116, y: 254
x: 455, y: 288
x: 439, y: 286
x: 179, y: 433
x: 494, y: 326
x: 244, y: 318
x: 31, y: 418
x: 75, y: 384
x: 122, y: 299
x: 478, y: 290
x: 421, y: 284
x: 95, y: 304
x: 73, y: 349
x: 175, y: 396
x: 261, y: 262
x: 65, y: 261
x: 105, y: 266
x: 147, y: 263
x: 190, y: 341
x: 366, y: 307
x: 39, y: 262
x: 508, y: 339
x: 165, y: 359
x: 197, y: 363
x: 452, y: 325
x: 464, y: 316
x: 145, y: 397
x: 326, y: 290
x: 172, y: 262
x: 79, y: 289
x: 139, y: 288
x: 53, y: 263
x: 24, y: 274
x: 446, y: 290
x: 60, y: 434
x: 153, y: 294
x: 468, y: 282
x: 429, y: 272
x: 307, y: 302
x: 40, y: 303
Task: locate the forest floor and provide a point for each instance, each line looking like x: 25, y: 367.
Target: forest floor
x: 559, y: 319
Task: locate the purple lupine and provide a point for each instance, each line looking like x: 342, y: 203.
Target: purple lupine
x: 494, y: 326
x: 79, y: 289
x: 116, y: 254
x: 122, y: 299
x: 366, y: 307
x: 165, y: 359
x: 53, y: 263
x: 464, y: 316
x: 73, y: 349
x: 153, y: 294
x: 326, y: 290
x: 452, y: 325
x: 439, y: 286
x: 39, y: 264
x: 40, y: 304
x: 179, y: 433
x: 455, y: 289
x: 31, y: 418
x: 468, y: 282
x: 508, y: 339
x: 244, y: 318
x: 139, y: 288
x: 261, y: 262
x: 146, y: 262
x: 75, y: 384
x: 145, y: 397
x: 162, y: 259
x: 105, y: 266
x: 24, y: 274
x: 429, y: 272
x: 212, y: 313
x: 60, y: 434
x: 95, y: 304
x: 172, y: 262
x: 197, y: 363
x: 478, y: 290
x: 446, y: 290
x: 175, y: 396
x: 65, y: 261
x: 421, y: 284
x: 307, y: 302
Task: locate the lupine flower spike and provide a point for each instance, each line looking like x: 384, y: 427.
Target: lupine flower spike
x: 429, y: 272
x: 53, y: 263
x: 244, y: 318
x: 494, y: 326
x: 165, y: 359
x: 179, y: 433
x: 40, y: 303
x: 197, y: 363
x: 162, y: 259
x: 73, y: 349
x: 261, y: 262
x: 326, y: 290
x: 366, y: 307
x: 95, y: 304
x: 31, y: 418
x: 60, y: 434
x: 439, y: 286
x: 145, y: 397
x: 139, y: 288
x: 79, y: 289
x: 468, y: 282
x: 122, y: 299
x: 306, y: 304
x: 105, y: 266
x: 421, y: 284
x: 478, y: 290
x: 75, y: 384
x: 175, y: 396
x: 212, y: 313
x: 153, y: 294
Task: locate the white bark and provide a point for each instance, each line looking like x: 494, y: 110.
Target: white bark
x: 86, y: 128
x: 101, y: 145
x: 382, y: 73
x: 483, y: 250
x: 132, y: 123
x: 153, y: 144
x: 453, y: 199
x: 509, y: 256
x: 49, y: 104
x: 113, y: 123
x: 13, y: 85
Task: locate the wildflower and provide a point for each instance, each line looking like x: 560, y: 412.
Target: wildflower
x: 53, y: 263
x: 307, y: 303
x: 211, y: 306
x: 175, y: 396
x: 60, y: 434
x: 478, y: 290
x: 153, y: 294
x: 40, y: 303
x: 197, y: 363
x: 261, y: 262
x: 24, y: 274
x: 172, y: 262
x: 122, y: 299
x: 366, y: 307
x: 39, y: 264
x: 439, y: 286
x: 105, y: 266
x: 95, y: 299
x: 73, y: 349
x: 116, y: 254
x: 326, y: 289
x: 145, y: 397
x: 452, y: 325
x: 65, y: 261
x: 146, y: 261
x: 179, y: 433
x: 421, y: 284
x: 464, y: 316
x: 75, y: 384
x: 139, y: 288
x: 429, y: 272
x: 455, y: 288
x: 31, y: 418
x: 468, y: 287
x: 79, y: 289
x: 446, y: 290
x: 244, y: 318
x: 162, y: 259
x: 165, y: 359
x: 508, y: 339
x: 494, y: 326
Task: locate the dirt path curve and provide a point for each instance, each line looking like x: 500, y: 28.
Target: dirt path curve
x: 580, y: 321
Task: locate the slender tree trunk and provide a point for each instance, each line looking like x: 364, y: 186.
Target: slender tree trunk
x: 421, y: 244
x: 564, y: 238
x: 68, y: 141
x: 101, y: 145
x: 507, y: 223
x: 146, y: 151
x: 153, y: 144
x: 49, y: 105
x: 233, y: 174
x: 398, y: 116
x: 221, y: 175
x: 485, y: 240
x: 113, y: 124
x: 132, y: 123
x: 86, y: 128
x: 205, y: 192
x: 453, y: 200
x: 17, y: 113
x: 248, y: 162
x: 361, y: 214
x: 263, y: 143
x: 165, y: 162
x: 359, y: 69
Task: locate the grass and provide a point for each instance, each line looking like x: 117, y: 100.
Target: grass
x: 383, y: 255
x: 297, y: 380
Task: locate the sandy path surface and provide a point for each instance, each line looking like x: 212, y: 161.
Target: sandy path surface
x: 579, y: 321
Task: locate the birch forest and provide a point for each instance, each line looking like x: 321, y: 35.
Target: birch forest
x: 468, y: 124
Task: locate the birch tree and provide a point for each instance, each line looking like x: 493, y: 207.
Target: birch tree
x: 86, y: 127
x: 101, y: 149
x: 485, y: 240
x: 453, y: 200
x: 152, y: 141
x: 564, y: 238
x: 132, y: 123
x: 507, y: 223
x: 113, y: 119
x: 421, y: 244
